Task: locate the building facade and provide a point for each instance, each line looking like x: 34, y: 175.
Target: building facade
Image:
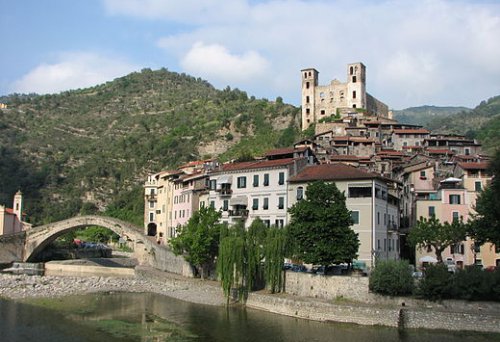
x: 375, y: 211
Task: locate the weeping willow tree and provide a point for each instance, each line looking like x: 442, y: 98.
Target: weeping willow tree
x: 274, y: 253
x: 246, y: 256
x: 231, y: 266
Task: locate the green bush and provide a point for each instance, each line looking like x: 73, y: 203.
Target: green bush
x: 391, y: 278
x: 472, y: 283
x: 436, y: 284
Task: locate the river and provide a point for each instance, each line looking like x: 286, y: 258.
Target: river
x: 151, y: 317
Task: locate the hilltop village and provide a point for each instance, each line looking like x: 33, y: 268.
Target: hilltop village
x: 391, y: 173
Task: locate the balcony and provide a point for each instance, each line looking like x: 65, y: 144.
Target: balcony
x: 392, y: 227
x: 238, y: 213
x: 224, y: 192
x: 151, y: 198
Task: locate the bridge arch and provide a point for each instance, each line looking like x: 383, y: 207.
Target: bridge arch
x: 40, y: 237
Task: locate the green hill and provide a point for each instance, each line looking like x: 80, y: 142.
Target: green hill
x: 423, y: 115
x: 482, y: 123
x: 90, y: 149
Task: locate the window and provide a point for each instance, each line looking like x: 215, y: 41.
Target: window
x: 307, y: 85
x: 267, y: 223
x: 477, y: 247
x: 360, y: 191
x: 454, y: 199
x: 354, y: 79
x: 478, y: 186
x: 422, y: 174
x: 322, y: 112
x: 225, y: 205
x: 378, y: 222
x: 300, y: 193
x: 212, y: 204
x: 281, y: 179
x: 378, y: 244
x: 255, y: 204
x: 279, y: 223
x: 351, y: 70
x: 151, y: 217
x: 455, y: 216
x: 255, y: 180
x: 213, y: 184
x: 266, y: 179
x: 281, y: 202
x: 242, y: 182
x: 354, y: 94
x: 432, y: 211
x: 355, y: 217
x: 307, y: 99
x: 151, y: 205
x: 308, y: 111
x: 467, y: 152
x: 266, y: 203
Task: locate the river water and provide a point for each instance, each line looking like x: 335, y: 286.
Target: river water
x: 150, y: 317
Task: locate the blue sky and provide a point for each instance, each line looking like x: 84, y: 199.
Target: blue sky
x: 432, y: 52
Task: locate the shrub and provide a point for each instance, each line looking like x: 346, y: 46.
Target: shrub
x: 391, y: 278
x: 472, y: 283
x: 436, y: 284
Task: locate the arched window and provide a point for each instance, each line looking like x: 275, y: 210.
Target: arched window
x: 351, y: 69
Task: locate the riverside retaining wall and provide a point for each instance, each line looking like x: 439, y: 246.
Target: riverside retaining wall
x: 12, y: 248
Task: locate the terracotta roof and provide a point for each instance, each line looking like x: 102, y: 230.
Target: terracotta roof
x: 390, y: 152
x: 331, y: 172
x: 411, y: 131
x: 412, y: 147
x: 473, y: 166
x: 344, y: 157
x: 257, y: 164
x: 439, y: 151
x: 9, y: 211
x: 286, y: 150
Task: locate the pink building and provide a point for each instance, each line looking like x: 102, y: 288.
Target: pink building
x: 11, y: 220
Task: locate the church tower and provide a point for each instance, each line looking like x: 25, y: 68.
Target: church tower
x: 356, y: 85
x: 309, y: 84
x: 18, y: 205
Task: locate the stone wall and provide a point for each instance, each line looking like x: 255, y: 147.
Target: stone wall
x: 11, y: 248
x: 162, y: 258
x: 347, y: 299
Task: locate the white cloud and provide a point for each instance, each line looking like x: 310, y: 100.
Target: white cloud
x: 422, y: 52
x: 216, y: 63
x: 72, y: 70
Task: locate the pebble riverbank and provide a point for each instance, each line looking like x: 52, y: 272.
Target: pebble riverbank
x: 24, y: 286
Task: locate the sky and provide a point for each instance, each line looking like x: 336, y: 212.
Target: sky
x: 425, y: 52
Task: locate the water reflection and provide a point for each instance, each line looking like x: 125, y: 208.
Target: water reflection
x: 148, y: 317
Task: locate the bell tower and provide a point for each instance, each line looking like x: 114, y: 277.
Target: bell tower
x: 309, y: 84
x: 356, y: 85
x: 18, y: 205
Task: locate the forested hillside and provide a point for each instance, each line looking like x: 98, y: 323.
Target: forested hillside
x: 90, y: 149
x: 482, y: 123
x: 423, y: 115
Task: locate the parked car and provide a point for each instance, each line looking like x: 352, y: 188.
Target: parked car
x: 299, y: 268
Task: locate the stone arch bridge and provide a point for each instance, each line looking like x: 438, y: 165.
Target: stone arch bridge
x: 25, y: 246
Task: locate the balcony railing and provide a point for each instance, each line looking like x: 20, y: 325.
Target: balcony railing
x: 151, y: 198
x: 392, y: 227
x: 225, y: 192
x: 238, y: 213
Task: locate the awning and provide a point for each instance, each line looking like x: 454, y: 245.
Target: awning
x: 225, y: 179
x: 239, y: 200
x: 427, y: 258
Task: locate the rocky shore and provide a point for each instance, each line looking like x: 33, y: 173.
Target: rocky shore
x: 24, y: 286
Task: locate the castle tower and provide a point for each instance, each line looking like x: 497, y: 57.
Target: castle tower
x: 356, y: 85
x: 18, y: 205
x: 309, y: 84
